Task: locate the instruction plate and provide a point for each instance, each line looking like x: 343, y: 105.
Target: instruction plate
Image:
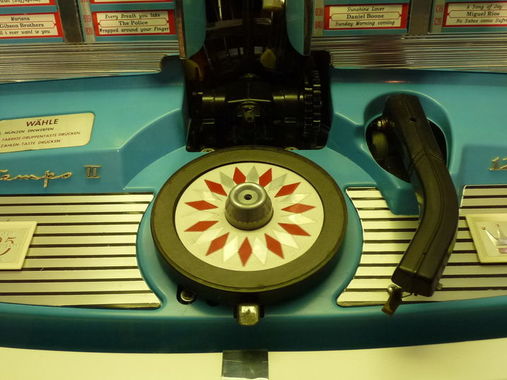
x: 45, y: 132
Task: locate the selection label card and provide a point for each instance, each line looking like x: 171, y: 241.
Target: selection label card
x: 123, y: 23
x: 128, y: 1
x: 366, y: 16
x: 11, y: 3
x: 475, y: 14
x: 43, y: 25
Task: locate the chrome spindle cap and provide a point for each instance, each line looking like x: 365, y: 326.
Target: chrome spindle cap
x: 248, y: 206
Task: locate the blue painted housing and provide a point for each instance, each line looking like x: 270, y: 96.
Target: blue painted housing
x: 139, y: 137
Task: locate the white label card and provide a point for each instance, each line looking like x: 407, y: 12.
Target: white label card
x: 9, y: 3
x: 133, y: 23
x: 492, y: 14
x: 43, y: 25
x: 15, y: 238
x: 45, y: 132
x: 366, y: 16
x: 489, y: 233
x: 130, y: 1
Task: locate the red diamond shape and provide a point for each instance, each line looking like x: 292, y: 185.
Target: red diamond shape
x: 274, y: 245
x: 217, y: 244
x: 287, y: 189
x: 201, y: 226
x: 238, y: 177
x: 266, y: 178
x: 201, y: 205
x: 293, y: 229
x: 215, y: 187
x: 245, y: 251
x: 298, y: 208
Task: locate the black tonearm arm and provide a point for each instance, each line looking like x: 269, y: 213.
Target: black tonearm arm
x: 421, y: 267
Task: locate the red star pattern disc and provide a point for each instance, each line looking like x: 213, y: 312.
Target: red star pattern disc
x: 281, y: 257
x: 206, y: 233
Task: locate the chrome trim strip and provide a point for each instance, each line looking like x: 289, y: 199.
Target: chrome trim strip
x: 29, y: 62
x: 76, y: 219
x: 83, y: 252
x: 71, y: 209
x: 463, y: 51
x: 71, y: 198
x: 107, y: 301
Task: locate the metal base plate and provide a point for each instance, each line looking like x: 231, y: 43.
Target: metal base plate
x: 83, y: 251
x: 386, y: 236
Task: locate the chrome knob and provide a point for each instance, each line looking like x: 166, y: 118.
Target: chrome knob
x: 248, y: 206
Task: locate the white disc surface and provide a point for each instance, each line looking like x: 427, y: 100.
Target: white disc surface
x: 298, y: 216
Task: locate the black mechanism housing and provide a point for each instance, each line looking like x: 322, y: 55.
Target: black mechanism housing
x: 252, y: 87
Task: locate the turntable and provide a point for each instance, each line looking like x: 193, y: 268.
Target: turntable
x: 255, y: 198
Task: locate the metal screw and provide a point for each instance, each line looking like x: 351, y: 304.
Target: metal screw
x: 186, y: 296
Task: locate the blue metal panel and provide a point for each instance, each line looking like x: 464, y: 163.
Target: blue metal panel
x: 139, y: 139
x: 295, y: 14
x: 194, y: 12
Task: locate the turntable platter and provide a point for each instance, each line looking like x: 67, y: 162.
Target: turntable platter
x: 249, y: 224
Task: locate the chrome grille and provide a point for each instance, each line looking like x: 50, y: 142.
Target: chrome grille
x: 451, y: 51
x: 386, y: 237
x: 83, y: 252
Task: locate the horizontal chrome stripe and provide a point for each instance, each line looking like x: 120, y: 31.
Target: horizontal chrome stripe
x: 364, y: 192
x: 76, y: 219
x: 394, y: 224
x: 87, y: 229
x: 74, y: 275
x: 77, y: 287
x: 450, y: 270
x: 386, y: 237
x: 404, y: 235
x: 82, y: 262
x: 394, y: 259
x: 383, y: 214
x: 455, y: 283
x: 72, y: 209
x: 110, y: 301
x: 83, y: 252
x: 484, y: 202
x: 80, y: 199
x: 369, y: 203
x: 401, y: 247
x: 71, y: 240
x: 379, y: 298
x: 500, y: 191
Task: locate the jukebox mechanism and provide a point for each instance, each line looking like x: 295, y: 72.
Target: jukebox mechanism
x: 253, y: 224
x: 249, y: 227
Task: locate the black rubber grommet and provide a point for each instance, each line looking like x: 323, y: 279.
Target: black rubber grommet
x: 229, y: 286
